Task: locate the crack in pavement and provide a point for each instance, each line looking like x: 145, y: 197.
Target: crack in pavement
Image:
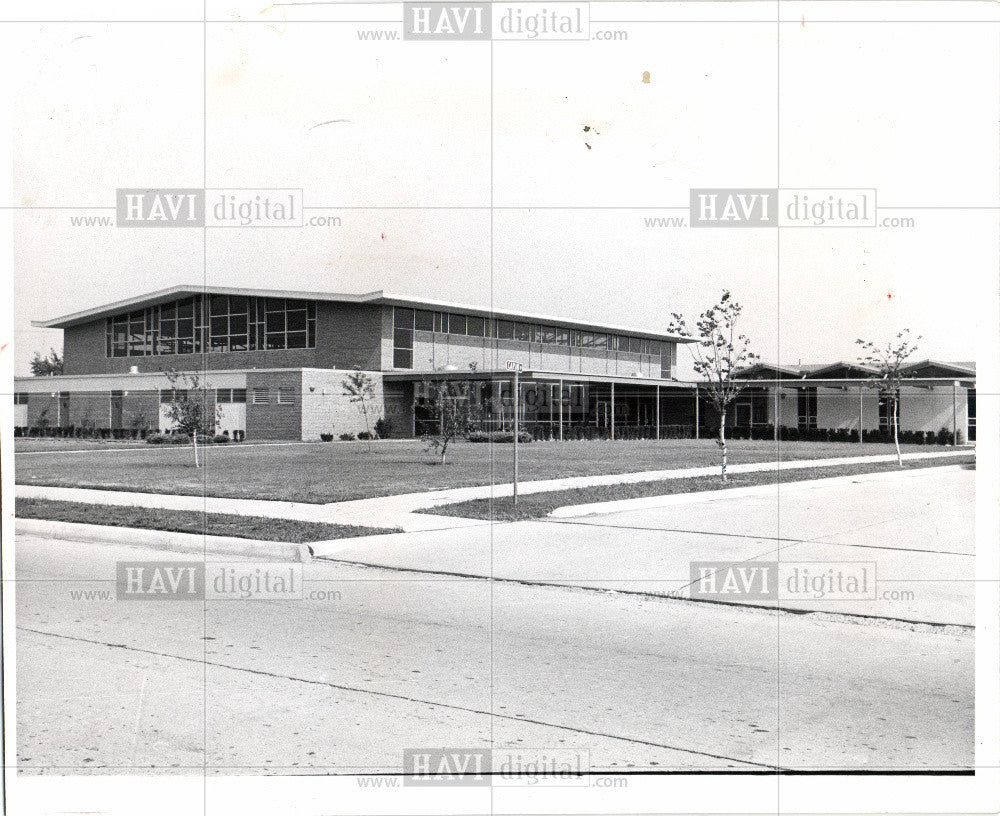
x: 403, y: 698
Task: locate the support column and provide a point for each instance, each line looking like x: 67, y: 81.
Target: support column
x: 657, y: 413
x: 861, y: 415
x: 560, y: 410
x: 954, y: 413
x: 775, y: 387
x: 697, y: 420
x: 612, y: 411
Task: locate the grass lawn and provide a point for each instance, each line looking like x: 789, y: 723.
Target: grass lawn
x: 538, y: 505
x: 337, y: 471
x: 187, y: 521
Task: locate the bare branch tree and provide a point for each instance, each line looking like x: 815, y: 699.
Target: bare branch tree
x: 887, y: 362
x: 359, y: 387
x: 187, y: 408
x: 719, y: 352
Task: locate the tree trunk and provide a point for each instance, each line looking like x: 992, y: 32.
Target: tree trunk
x: 444, y: 451
x: 722, y: 443
x: 895, y: 430
x: 368, y: 430
x: 194, y: 444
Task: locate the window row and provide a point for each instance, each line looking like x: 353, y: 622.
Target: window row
x: 234, y: 323
x: 407, y: 321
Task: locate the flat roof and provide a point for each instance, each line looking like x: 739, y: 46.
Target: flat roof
x: 533, y: 374
x: 378, y: 297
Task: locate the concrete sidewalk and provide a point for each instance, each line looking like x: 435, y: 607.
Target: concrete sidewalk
x: 402, y: 510
x: 917, y: 527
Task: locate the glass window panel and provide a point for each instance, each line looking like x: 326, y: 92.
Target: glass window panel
x: 238, y: 324
x: 275, y: 322
x: 402, y: 358
x: 402, y: 318
x: 275, y: 340
x: 438, y: 321
x: 297, y: 339
x: 522, y: 331
x: 505, y: 330
x: 600, y: 341
x: 587, y: 339
x: 456, y: 324
x: 220, y: 326
x: 218, y: 305
x: 239, y: 395
x: 311, y: 335
x: 297, y: 321
x: 275, y: 305
x: 562, y: 337
x: 238, y: 304
x: 548, y: 334
x: 476, y: 326
x: 423, y: 320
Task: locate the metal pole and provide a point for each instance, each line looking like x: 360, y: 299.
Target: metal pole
x: 612, y: 411
x: 775, y: 412
x: 657, y: 413
x: 560, y: 410
x: 861, y: 416
x: 517, y: 429
x: 954, y: 413
x: 697, y: 420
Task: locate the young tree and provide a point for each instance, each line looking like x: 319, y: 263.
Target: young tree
x: 718, y: 352
x: 451, y: 412
x: 47, y: 366
x: 188, y: 408
x: 887, y: 362
x: 360, y: 388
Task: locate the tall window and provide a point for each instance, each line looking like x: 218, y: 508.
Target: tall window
x: 402, y: 338
x: 220, y: 322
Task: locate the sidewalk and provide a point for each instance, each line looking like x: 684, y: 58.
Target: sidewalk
x: 402, y: 510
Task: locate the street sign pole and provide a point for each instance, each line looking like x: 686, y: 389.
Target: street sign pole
x: 517, y: 427
x: 516, y: 368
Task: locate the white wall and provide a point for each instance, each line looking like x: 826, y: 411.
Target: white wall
x: 839, y: 409
x: 923, y: 409
x: 327, y: 409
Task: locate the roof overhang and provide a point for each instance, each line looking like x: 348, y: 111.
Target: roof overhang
x: 534, y: 375
x: 377, y: 297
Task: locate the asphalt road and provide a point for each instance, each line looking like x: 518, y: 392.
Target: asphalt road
x: 394, y: 660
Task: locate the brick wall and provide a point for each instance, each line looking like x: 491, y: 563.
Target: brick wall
x: 270, y: 420
x: 347, y: 334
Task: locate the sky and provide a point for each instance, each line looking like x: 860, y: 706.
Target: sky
x: 467, y: 178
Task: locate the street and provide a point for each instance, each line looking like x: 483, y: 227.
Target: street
x: 387, y: 659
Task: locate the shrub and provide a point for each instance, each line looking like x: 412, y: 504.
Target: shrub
x: 220, y: 439
x: 155, y: 439
x: 348, y: 437
x: 944, y: 436
x: 930, y: 438
x: 365, y: 435
x: 383, y: 428
x: 326, y: 437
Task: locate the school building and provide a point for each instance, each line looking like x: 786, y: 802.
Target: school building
x: 273, y: 365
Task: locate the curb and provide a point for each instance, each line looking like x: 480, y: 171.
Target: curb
x: 672, y: 499
x: 165, y: 540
